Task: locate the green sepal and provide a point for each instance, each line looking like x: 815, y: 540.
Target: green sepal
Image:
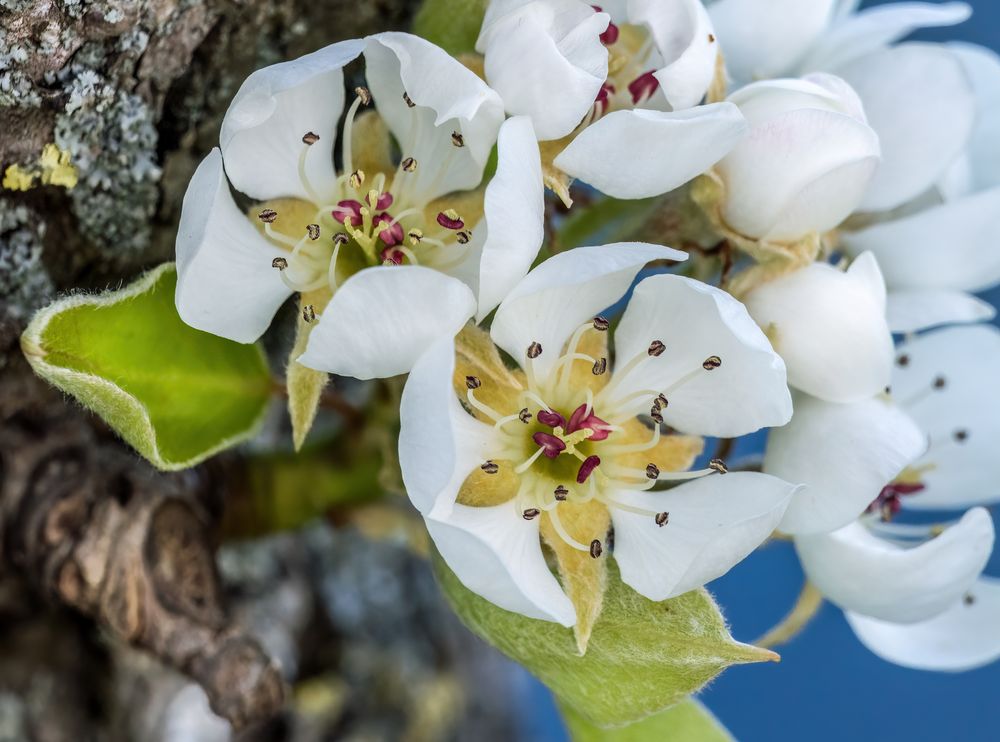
x: 688, y: 721
x: 176, y: 394
x: 642, y: 658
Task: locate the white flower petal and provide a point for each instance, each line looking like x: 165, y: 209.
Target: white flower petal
x: 641, y: 153
x: 956, y: 473
x: 514, y: 214
x: 919, y: 100
x: 440, y: 443
x: 684, y: 37
x: 863, y: 573
x: 806, y: 163
x: 714, y: 523
x: 767, y: 38
x: 964, y: 637
x: 919, y: 309
x: 382, y: 319
x: 565, y: 291
x: 947, y: 246
x: 546, y: 60
x: 830, y: 329
x: 497, y: 554
x: 696, y: 321
x: 844, y: 454
x: 225, y: 282
x: 878, y: 27
x: 262, y: 131
x: 983, y: 153
x: 448, y: 96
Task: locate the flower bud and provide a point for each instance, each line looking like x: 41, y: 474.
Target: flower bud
x: 806, y: 163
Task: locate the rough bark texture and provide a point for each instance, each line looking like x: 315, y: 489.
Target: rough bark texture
x: 110, y: 574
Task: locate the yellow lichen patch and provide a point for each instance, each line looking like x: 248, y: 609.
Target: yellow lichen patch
x: 476, y: 355
x: 52, y: 168
x: 17, y: 178
x: 583, y: 577
x: 582, y: 376
x: 371, y: 144
x: 56, y: 167
x: 483, y: 490
x: 673, y: 453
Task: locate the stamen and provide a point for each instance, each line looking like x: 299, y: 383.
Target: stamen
x: 313, y: 231
x: 595, y: 548
x: 550, y: 418
x: 711, y: 363
x: 309, y: 313
x: 490, y: 467
x: 450, y: 219
x: 409, y: 165
x: 279, y: 263
x: 587, y: 468
x: 303, y: 177
x: 643, y: 87
x: 364, y: 95
x: 961, y: 436
x: 550, y: 445
x: 415, y: 236
x: 656, y: 348
x: 310, y: 138
x: 662, y: 519
x: 623, y: 448
x: 939, y: 383
x: 903, y: 361
x: 473, y: 382
x: 524, y: 416
x: 600, y: 366
x: 463, y: 237
x: 409, y: 102
x: 601, y: 324
x: 357, y: 179
x: 531, y: 513
x: 718, y: 465
x: 331, y: 271
x: 652, y: 471
x: 457, y: 139
x: 268, y: 216
x: 542, y: 404
x: 523, y: 467
x: 563, y: 533
x: 561, y: 493
x: 534, y: 350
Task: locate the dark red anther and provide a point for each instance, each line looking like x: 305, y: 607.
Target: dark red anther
x: 587, y: 468
x: 393, y: 233
x: 449, y: 222
x: 391, y: 255
x: 383, y: 202
x: 889, y: 501
x: 580, y: 419
x: 643, y: 87
x: 550, y: 418
x: 348, y: 212
x: 551, y: 445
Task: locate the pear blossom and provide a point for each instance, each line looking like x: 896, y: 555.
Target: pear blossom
x: 387, y: 254
x: 557, y: 447
x: 829, y: 326
x: 806, y: 163
x: 780, y: 38
x: 617, y: 92
x: 939, y: 245
x: 913, y: 597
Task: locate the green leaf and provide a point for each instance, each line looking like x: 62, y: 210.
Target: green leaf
x: 178, y: 395
x: 451, y: 24
x: 642, y: 657
x: 688, y: 721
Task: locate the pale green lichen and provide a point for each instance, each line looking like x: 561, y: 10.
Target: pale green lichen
x: 16, y: 88
x: 24, y: 282
x: 111, y: 137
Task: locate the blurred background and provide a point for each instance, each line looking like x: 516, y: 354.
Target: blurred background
x: 345, y: 603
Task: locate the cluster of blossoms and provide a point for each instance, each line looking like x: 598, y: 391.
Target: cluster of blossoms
x: 852, y: 183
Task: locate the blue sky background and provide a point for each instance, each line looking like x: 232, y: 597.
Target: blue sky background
x: 828, y: 687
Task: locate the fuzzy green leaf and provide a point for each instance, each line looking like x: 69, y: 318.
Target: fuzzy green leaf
x: 643, y: 657
x: 688, y: 721
x: 451, y: 24
x: 178, y: 395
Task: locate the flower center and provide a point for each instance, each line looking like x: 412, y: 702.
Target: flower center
x: 562, y: 460
x: 632, y: 60
x: 369, y: 220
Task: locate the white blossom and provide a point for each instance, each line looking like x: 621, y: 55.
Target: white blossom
x: 402, y: 262
x: 686, y: 354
